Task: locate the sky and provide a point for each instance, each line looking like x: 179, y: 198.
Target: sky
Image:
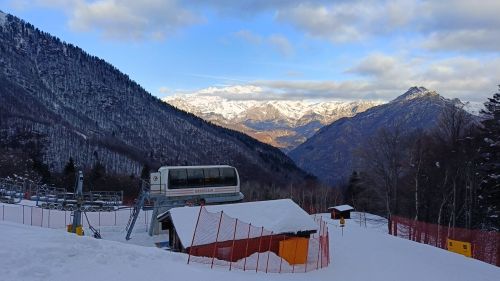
x: 285, y: 49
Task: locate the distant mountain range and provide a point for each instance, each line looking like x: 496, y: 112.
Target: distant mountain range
x: 329, y: 154
x: 283, y: 124
x: 82, y: 107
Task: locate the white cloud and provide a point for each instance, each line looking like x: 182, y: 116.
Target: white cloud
x: 379, y: 76
x: 279, y: 42
x: 460, y: 25
x: 248, y: 36
x: 235, y: 92
x: 126, y: 19
x: 164, y: 90
x: 350, y: 20
x: 464, y: 40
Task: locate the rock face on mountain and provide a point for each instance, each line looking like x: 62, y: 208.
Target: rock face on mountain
x: 82, y: 107
x: 283, y: 124
x: 329, y: 154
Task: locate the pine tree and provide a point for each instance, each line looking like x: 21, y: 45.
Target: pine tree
x: 145, y: 172
x: 69, y: 169
x: 353, y: 188
x: 489, y: 190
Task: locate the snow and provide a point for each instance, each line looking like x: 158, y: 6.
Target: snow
x: 279, y: 216
x: 205, y: 102
x: 342, y: 208
x: 415, y: 92
x: 474, y: 108
x: 33, y: 253
x: 3, y: 18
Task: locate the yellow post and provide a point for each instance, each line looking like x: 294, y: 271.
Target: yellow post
x: 78, y: 230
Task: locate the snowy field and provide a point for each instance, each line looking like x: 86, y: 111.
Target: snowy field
x: 33, y: 253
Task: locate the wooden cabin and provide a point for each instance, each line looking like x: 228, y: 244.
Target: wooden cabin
x: 341, y: 211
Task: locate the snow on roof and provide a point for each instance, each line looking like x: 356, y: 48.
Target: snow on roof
x: 342, y: 208
x: 279, y: 216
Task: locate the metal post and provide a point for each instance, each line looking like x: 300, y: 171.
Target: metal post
x: 216, y: 238
x: 31, y: 216
x: 23, y: 214
x: 115, y: 216
x: 232, y: 248
x: 246, y: 250
x: 194, y: 233
x: 269, y: 250
x: 258, y: 252
x: 3, y: 212
x: 41, y: 223
x: 48, y: 221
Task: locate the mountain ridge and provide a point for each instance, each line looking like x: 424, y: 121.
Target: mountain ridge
x: 284, y: 124
x: 329, y: 154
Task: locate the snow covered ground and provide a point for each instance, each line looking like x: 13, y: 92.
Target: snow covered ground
x: 34, y: 253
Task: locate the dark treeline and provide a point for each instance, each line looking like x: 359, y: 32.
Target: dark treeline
x: 311, y: 196
x: 449, y: 175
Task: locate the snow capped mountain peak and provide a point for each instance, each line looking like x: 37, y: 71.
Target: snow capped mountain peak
x: 416, y: 92
x: 282, y: 123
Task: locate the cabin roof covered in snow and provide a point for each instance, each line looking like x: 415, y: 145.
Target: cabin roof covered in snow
x: 342, y: 208
x: 278, y: 216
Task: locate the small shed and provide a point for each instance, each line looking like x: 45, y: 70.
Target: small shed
x: 281, y: 218
x: 343, y: 211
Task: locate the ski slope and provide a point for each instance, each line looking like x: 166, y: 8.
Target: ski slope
x: 34, y: 253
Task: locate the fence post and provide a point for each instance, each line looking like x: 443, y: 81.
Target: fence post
x: 269, y: 250
x: 3, y: 212
x: 327, y: 246
x: 232, y: 248
x: 216, y: 238
x: 246, y: 250
x: 31, y: 216
x: 41, y: 223
x: 319, y: 243
x: 396, y: 228
x: 115, y: 216
x: 23, y: 214
x: 322, y: 240
x: 258, y: 252
x: 281, y: 260
x: 194, y: 233
x: 294, y: 256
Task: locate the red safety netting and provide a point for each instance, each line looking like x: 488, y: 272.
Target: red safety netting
x: 220, y: 240
x: 485, y: 244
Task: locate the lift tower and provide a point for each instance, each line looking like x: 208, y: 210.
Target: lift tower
x: 76, y: 226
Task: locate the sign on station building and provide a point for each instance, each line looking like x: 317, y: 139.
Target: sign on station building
x: 459, y: 247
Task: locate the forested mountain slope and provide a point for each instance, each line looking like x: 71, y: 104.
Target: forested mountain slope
x: 331, y: 153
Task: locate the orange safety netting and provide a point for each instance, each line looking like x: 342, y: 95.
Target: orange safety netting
x: 220, y: 240
x: 485, y: 244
